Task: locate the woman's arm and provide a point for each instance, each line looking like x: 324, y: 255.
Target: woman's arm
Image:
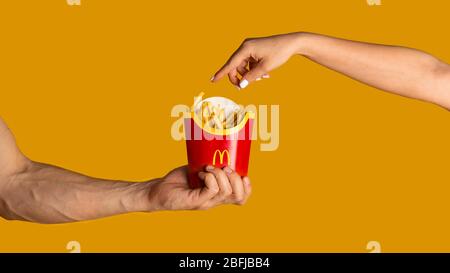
x: 403, y: 71
x: 43, y: 193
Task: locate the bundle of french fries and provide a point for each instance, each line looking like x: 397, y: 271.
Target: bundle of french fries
x: 217, y: 117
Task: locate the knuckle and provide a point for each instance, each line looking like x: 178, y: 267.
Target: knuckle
x: 234, y: 176
x: 209, y: 176
x: 248, y: 40
x: 247, y: 43
x: 240, y: 200
x: 263, y: 68
x: 214, y: 190
x: 224, y: 195
x: 227, y: 192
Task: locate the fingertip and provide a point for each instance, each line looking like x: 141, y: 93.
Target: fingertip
x: 246, y: 181
x: 201, y: 175
x: 217, y: 76
x: 244, y: 83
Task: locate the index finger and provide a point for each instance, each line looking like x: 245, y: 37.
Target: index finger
x: 240, y: 55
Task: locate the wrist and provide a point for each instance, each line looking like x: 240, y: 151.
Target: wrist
x: 136, y: 197
x: 303, y: 43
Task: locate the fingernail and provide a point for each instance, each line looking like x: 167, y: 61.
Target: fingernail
x: 266, y: 76
x: 243, y: 84
x: 258, y: 79
x: 209, y: 168
x: 201, y: 175
x: 212, y: 78
x: 228, y: 170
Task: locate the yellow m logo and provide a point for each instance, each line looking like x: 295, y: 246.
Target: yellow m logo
x: 221, y: 155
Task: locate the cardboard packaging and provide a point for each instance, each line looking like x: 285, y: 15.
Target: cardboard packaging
x: 217, y: 147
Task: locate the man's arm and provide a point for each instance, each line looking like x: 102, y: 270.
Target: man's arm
x: 43, y: 193
x: 47, y: 194
x: 403, y: 71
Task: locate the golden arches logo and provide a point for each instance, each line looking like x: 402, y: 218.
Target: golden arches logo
x: 221, y: 155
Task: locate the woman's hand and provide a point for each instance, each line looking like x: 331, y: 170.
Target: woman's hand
x: 222, y: 186
x: 256, y: 57
x: 404, y: 71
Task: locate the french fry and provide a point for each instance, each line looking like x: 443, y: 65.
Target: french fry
x: 217, y: 117
x: 218, y: 124
x: 230, y: 121
x: 206, y: 113
x: 197, y: 99
x: 221, y: 115
x: 210, y: 123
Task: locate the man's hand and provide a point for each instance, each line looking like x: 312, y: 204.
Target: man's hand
x: 42, y: 193
x: 221, y: 187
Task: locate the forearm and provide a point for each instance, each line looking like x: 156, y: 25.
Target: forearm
x: 47, y: 194
x: 404, y: 71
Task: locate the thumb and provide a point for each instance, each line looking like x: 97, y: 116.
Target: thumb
x: 255, y: 73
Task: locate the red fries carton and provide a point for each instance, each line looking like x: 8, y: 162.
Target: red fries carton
x: 217, y: 147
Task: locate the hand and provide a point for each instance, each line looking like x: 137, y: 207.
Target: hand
x: 222, y: 186
x: 258, y: 56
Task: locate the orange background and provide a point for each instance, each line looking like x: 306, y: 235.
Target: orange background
x: 90, y: 88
